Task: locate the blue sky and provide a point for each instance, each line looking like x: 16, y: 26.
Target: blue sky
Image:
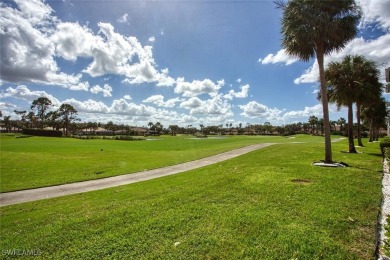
x: 174, y: 62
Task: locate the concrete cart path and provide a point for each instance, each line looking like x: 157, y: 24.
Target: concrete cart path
x: 16, y: 197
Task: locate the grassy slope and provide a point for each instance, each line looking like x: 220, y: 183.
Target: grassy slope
x: 247, y: 207
x: 41, y: 161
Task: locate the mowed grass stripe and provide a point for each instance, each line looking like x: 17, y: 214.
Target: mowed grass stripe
x: 247, y: 207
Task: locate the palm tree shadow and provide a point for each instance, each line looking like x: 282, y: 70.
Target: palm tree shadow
x: 375, y: 154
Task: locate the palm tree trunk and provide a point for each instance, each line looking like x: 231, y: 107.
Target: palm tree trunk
x: 351, y: 142
x: 376, y: 133
x: 371, y: 130
x: 324, y: 100
x: 359, y: 130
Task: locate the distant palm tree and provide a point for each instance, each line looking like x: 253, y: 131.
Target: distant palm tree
x: 333, y: 123
x: 313, y: 121
x: 375, y: 115
x: 159, y: 127
x: 7, y: 124
x: 341, y: 122
x: 201, y: 128
x: 316, y: 28
x: 321, y: 125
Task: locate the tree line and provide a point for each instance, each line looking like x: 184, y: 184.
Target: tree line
x: 65, y: 118
x: 40, y: 116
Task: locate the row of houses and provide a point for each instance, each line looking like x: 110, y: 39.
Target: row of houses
x: 140, y: 131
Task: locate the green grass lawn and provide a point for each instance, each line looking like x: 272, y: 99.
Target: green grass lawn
x: 42, y: 161
x: 268, y: 204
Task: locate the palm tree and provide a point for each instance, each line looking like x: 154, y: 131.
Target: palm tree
x: 313, y: 121
x: 321, y: 125
x: 342, y: 90
x: 7, y: 124
x: 374, y: 115
x: 368, y: 87
x: 341, y: 122
x: 353, y: 80
x: 159, y: 127
x: 333, y: 123
x: 201, y: 128
x: 317, y: 28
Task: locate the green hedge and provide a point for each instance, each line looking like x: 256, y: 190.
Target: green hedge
x: 42, y: 132
x: 385, y: 143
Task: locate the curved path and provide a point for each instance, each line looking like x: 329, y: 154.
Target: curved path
x: 16, y: 197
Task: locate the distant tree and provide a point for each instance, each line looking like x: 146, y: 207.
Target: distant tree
x: 92, y: 126
x: 317, y: 28
x: 67, y: 114
x: 151, y: 126
x: 341, y: 122
x: 320, y: 125
x: 53, y: 120
x: 201, y: 128
x: 313, y: 122
x: 267, y: 127
x: 158, y: 127
x: 41, y: 105
x: 109, y: 126
x: 7, y: 123
x: 32, y: 120
x: 22, y: 123
x: 333, y: 124
x: 173, y: 129
x: 306, y: 127
x: 374, y: 115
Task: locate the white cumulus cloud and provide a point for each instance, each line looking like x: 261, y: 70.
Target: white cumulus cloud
x: 22, y: 92
x: 306, y: 112
x: 105, y: 90
x: 73, y: 40
x: 27, y: 52
x: 213, y: 106
x: 159, y: 101
x: 88, y: 106
x: 280, y: 57
x: 197, y: 87
x: 242, y: 94
x: 254, y: 109
x: 124, y: 19
x: 375, y: 11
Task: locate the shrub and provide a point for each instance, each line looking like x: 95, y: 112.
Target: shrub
x: 42, y: 132
x: 385, y: 146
